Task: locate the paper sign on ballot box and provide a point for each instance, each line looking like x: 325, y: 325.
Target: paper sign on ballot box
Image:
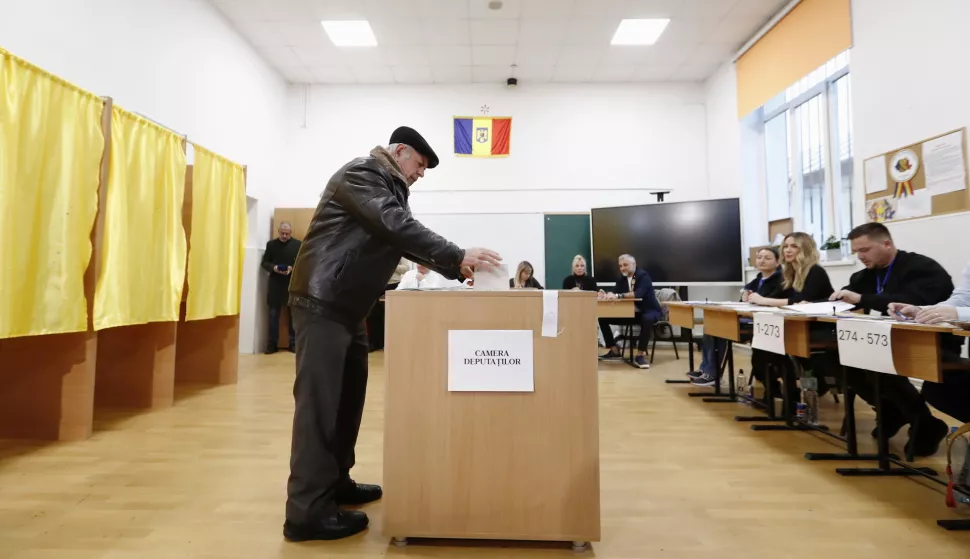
x: 490, y: 361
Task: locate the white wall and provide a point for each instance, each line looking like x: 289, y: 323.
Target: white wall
x: 903, y: 94
x: 723, y: 139
x: 176, y: 61
x: 596, y: 145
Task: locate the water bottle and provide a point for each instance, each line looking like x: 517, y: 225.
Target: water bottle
x: 810, y: 397
x: 963, y: 476
x: 741, y: 387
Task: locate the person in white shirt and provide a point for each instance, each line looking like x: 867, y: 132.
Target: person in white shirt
x: 957, y: 307
x: 423, y: 278
x: 952, y: 396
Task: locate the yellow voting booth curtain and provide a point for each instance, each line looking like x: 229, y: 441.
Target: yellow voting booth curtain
x: 814, y: 32
x: 218, y: 236
x: 143, y: 252
x: 51, y: 145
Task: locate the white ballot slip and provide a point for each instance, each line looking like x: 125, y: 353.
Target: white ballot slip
x: 866, y: 344
x: 828, y: 307
x: 769, y: 332
x: 550, y: 313
x: 491, y: 278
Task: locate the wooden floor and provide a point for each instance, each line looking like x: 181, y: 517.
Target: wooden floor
x: 680, y: 479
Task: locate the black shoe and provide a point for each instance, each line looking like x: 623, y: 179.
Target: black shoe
x: 292, y: 348
x: 892, y: 422
x: 930, y: 434
x: 334, y: 526
x: 704, y: 380
x: 271, y: 350
x: 611, y: 355
x: 353, y: 493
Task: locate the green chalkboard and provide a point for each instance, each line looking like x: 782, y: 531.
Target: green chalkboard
x: 566, y: 236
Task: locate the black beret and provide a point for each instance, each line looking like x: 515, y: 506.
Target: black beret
x: 410, y: 136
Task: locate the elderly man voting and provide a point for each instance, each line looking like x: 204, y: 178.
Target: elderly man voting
x: 360, y: 230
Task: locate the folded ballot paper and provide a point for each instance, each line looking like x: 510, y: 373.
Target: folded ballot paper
x: 492, y: 278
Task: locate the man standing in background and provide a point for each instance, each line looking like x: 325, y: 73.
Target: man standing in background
x: 278, y: 260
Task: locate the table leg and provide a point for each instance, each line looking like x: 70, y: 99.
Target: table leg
x: 690, y: 359
x: 851, y: 442
x: 789, y: 407
x: 885, y: 461
x: 769, y: 405
x: 727, y: 362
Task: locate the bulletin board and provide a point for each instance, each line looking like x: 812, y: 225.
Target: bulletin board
x: 919, y: 180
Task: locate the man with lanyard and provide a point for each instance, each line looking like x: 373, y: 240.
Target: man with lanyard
x: 897, y: 276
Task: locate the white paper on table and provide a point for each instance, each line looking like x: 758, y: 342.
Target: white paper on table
x: 828, y: 307
x: 490, y: 361
x: 769, y: 332
x: 550, y: 313
x: 866, y: 344
x: 943, y: 164
x: 492, y: 278
x: 770, y: 310
x: 876, y: 177
x: 919, y: 204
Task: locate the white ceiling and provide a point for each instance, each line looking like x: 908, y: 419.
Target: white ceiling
x: 463, y: 41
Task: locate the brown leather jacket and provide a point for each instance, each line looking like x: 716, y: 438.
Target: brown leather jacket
x: 359, y: 232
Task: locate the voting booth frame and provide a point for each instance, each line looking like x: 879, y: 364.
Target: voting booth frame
x: 491, y: 464
x: 52, y: 383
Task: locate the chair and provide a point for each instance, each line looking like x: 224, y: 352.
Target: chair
x: 663, y: 329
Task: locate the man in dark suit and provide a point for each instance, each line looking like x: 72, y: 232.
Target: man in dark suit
x: 278, y: 261
x: 634, y: 283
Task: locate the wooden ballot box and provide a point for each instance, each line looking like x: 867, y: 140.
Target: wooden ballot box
x: 491, y: 428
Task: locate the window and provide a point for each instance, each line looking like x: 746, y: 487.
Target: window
x: 807, y: 132
x: 777, y: 172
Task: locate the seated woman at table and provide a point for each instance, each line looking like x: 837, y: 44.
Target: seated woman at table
x: 424, y: 278
x: 768, y: 283
x: 523, y: 277
x: 804, y: 279
x: 579, y: 280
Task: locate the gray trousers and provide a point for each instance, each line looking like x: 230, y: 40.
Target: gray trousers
x: 329, y: 390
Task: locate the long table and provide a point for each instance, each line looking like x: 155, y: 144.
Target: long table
x: 916, y: 353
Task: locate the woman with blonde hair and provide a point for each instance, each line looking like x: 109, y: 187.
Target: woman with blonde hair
x: 523, y: 277
x: 803, y: 279
x: 579, y: 280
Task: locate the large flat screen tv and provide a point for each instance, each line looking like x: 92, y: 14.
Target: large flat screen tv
x: 675, y: 242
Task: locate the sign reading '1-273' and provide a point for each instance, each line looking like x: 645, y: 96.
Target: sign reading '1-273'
x: 769, y: 332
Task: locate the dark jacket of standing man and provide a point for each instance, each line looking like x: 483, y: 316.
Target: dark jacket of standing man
x: 278, y: 260
x: 359, y: 232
